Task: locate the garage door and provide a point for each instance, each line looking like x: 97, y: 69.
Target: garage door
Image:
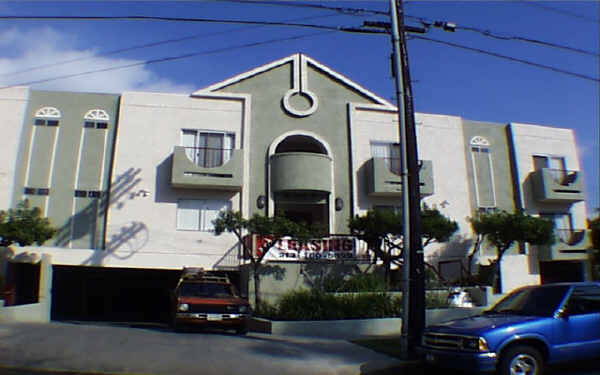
x: 112, y: 294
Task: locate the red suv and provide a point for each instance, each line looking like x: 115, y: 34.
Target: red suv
x: 208, y: 300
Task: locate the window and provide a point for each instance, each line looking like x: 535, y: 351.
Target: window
x: 36, y: 191
x: 394, y: 209
x: 96, y: 118
x: 88, y: 194
x: 388, y: 151
x: 483, y: 173
x: 207, y: 149
x: 47, y: 116
x: 199, y: 214
x: 556, y: 164
x: 584, y: 300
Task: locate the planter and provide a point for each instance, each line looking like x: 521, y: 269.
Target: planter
x: 351, y: 329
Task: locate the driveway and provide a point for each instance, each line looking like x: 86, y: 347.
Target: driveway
x: 157, y: 351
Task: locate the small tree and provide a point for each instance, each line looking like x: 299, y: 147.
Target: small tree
x: 274, y: 228
x: 594, y: 226
x: 503, y: 229
x: 381, y: 230
x: 24, y: 225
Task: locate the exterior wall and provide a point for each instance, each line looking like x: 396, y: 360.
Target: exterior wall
x: 142, y: 225
x: 271, y: 123
x: 530, y: 140
x: 66, y: 158
x: 439, y: 137
x: 13, y: 104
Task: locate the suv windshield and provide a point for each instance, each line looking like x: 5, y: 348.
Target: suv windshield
x: 538, y: 301
x: 206, y: 290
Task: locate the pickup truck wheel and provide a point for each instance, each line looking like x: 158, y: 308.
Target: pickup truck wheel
x: 242, y: 330
x: 521, y: 360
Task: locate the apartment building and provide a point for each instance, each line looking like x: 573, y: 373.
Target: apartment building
x: 133, y: 182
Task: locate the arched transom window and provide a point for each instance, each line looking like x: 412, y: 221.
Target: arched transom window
x: 97, y: 114
x: 483, y: 173
x: 47, y: 116
x: 96, y: 118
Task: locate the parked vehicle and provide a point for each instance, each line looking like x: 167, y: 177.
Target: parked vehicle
x: 529, y: 328
x: 208, y: 300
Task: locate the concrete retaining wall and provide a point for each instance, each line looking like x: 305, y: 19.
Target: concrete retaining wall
x: 353, y: 328
x: 30, y: 313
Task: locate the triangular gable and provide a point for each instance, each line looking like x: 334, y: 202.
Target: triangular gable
x: 296, y: 59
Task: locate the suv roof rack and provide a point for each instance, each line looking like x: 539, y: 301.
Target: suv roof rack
x: 198, y: 274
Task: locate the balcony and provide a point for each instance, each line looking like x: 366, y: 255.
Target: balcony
x: 384, y: 177
x: 301, y: 171
x: 202, y: 168
x: 569, y: 245
x: 557, y: 186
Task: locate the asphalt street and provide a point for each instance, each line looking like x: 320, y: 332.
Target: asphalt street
x: 92, y: 349
x: 82, y: 348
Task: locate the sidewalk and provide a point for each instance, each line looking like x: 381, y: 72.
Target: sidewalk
x: 156, y: 351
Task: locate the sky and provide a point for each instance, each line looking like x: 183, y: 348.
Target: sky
x: 182, y: 57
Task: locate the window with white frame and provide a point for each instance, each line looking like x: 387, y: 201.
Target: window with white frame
x: 388, y: 151
x: 556, y: 165
x: 47, y: 116
x: 483, y: 172
x: 198, y: 214
x: 563, y: 224
x: 96, y: 118
x: 207, y: 149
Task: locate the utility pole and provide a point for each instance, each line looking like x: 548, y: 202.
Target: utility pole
x: 413, y: 286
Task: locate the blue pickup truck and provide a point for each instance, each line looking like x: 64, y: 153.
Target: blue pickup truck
x: 529, y: 328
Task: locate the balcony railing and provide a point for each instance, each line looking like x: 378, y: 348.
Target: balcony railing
x: 208, y: 157
x: 384, y: 177
x: 571, y: 244
x: 570, y: 237
x: 557, y: 185
x: 207, y: 168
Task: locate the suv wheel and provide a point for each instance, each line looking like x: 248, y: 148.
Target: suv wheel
x: 521, y: 360
x: 242, y: 330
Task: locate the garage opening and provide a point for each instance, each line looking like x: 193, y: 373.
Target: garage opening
x: 115, y: 294
x: 112, y: 294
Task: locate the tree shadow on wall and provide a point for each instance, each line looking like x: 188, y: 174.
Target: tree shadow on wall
x: 85, y: 221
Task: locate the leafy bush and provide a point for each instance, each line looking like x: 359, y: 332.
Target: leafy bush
x: 314, y: 305
x: 362, y: 282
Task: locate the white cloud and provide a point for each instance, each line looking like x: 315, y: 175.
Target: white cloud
x: 23, y: 50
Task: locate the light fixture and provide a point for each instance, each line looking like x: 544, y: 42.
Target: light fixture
x: 339, y: 204
x: 261, y: 201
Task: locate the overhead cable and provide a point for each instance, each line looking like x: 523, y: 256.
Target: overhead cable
x: 478, y: 50
x: 171, y: 58
x: 560, y: 11
x: 148, y: 45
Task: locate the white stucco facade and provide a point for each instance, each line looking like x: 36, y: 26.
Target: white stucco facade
x: 13, y: 104
x: 150, y: 126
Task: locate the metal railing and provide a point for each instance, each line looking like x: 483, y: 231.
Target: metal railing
x: 570, y: 237
x: 208, y: 157
x: 563, y: 177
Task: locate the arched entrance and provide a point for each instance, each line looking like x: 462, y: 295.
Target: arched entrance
x: 301, y: 180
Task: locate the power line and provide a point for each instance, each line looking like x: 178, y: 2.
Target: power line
x: 523, y: 39
x: 148, y: 45
x: 560, y: 11
x: 344, y: 10
x: 547, y: 67
x: 171, y: 58
x: 168, y: 19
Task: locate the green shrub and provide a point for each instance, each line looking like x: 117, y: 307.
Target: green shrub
x: 362, y: 282
x: 436, y: 301
x: 314, y: 305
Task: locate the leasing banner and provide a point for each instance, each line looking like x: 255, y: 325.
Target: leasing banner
x: 327, y: 248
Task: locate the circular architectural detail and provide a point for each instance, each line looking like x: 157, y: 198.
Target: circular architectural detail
x: 312, y: 99
x: 48, y: 112
x: 479, y: 141
x: 96, y: 114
